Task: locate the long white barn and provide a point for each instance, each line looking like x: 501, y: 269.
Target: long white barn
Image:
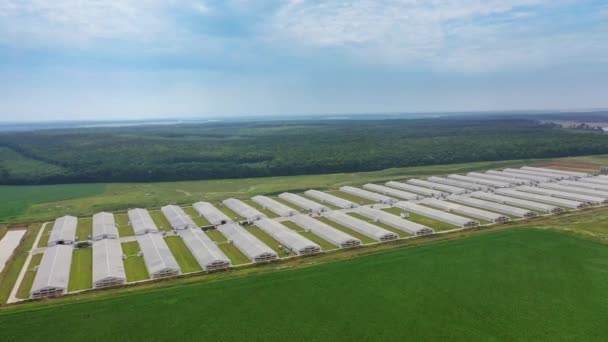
x: 574, y: 189
x: 583, y: 184
x: 438, y: 215
x: 554, y: 176
x: 325, y: 231
x: 157, y: 256
x: 543, y: 199
x: 204, y: 250
x: 436, y: 186
x: 212, y: 214
x: 394, y: 221
x: 247, y: 243
x: 458, y: 183
x: 518, y: 202
x: 274, y: 206
x: 243, y: 209
x: 108, y: 267
x: 417, y: 189
x: 464, y: 210
x: 568, y: 173
x: 177, y: 217
x: 303, y: 202
x: 360, y: 226
x: 385, y: 190
x: 141, y: 221
x: 592, y: 200
x: 331, y: 199
x: 53, y: 272
x: 595, y: 180
x: 372, y: 196
x: 493, y: 206
x: 296, y: 242
x: 530, y: 178
x: 487, y: 182
x: 510, y: 180
x: 104, y: 226
x: 64, y: 231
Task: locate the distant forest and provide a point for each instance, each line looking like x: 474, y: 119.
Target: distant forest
x: 236, y: 150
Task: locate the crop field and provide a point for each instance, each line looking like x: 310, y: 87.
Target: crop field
x: 185, y: 259
x: 135, y: 267
x: 47, y: 202
x: 81, y: 274
x: 471, y: 288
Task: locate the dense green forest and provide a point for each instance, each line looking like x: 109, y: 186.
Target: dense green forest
x: 238, y: 149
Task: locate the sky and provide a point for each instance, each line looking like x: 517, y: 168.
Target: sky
x: 140, y: 59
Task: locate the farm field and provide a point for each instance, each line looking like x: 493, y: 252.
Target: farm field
x: 403, y: 289
x: 9, y: 275
x: 28, y: 280
x: 135, y: 267
x: 81, y: 274
x: 49, y: 202
x: 185, y: 259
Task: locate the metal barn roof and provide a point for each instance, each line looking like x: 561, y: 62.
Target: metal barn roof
x: 64, y: 231
x: 141, y: 221
x: 385, y: 190
x: 520, y: 176
x: 211, y: 213
x: 581, y: 183
x: 177, y: 217
x: 543, y: 199
x: 243, y: 209
x: 458, y: 183
x: 157, y: 256
x: 394, y: 221
x: 518, y: 202
x: 365, y: 228
x: 437, y: 214
x: 464, y: 210
x: 288, y: 237
x: 593, y: 200
x: 108, y: 267
x: 204, y: 250
x: 104, y: 226
x: 436, y: 186
x: 368, y: 195
x: 554, y: 176
x: 575, y: 189
x: 510, y: 180
x: 488, y: 182
x: 331, y: 199
x: 497, y: 207
x: 303, y: 202
x: 53, y: 272
x: 416, y: 189
x: 274, y: 206
x: 325, y: 231
x: 568, y: 173
x: 247, y: 243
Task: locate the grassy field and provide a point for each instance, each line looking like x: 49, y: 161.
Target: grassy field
x: 85, y: 228
x: 185, y: 259
x: 9, y: 275
x: 196, y: 217
x: 468, y: 289
x: 364, y: 238
x: 135, y: 266
x: 124, y: 229
x: 401, y: 233
x: 325, y: 245
x: 429, y: 222
x: 160, y: 220
x: 49, y: 202
x: 81, y: 274
x: 266, y: 212
x: 28, y: 280
x: 268, y: 240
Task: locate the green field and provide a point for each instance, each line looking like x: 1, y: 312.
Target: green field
x: 185, y: 259
x: 401, y: 233
x: 50, y: 202
x: 196, y: 217
x: 28, y: 279
x: 325, y: 245
x: 135, y: 267
x: 468, y: 289
x: 268, y: 240
x: 423, y: 220
x: 85, y: 228
x: 364, y: 238
x: 266, y: 212
x: 160, y: 220
x: 81, y: 274
x: 9, y: 275
x: 122, y: 221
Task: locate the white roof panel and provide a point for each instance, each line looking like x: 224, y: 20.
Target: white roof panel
x: 394, y: 221
x: 104, y: 226
x: 64, y: 231
x: 274, y: 206
x: 54, y: 269
x: 243, y: 209
x: 331, y: 199
x: 177, y: 217
x: 416, y: 189
x: 436, y: 186
x: 204, y: 250
x: 488, y: 182
x: 458, y: 183
x: 157, y: 255
x: 211, y: 213
x: 564, y: 194
x: 365, y: 228
x: 464, y: 210
x: 541, y: 198
x: 497, y: 207
x: 288, y: 237
x: 518, y: 202
x: 247, y: 243
x: 385, y: 190
x: 303, y: 202
x: 510, y: 180
x: 368, y: 195
x: 141, y: 221
x: 325, y: 231
x: 107, y: 261
x: 568, y: 173
x: 437, y: 214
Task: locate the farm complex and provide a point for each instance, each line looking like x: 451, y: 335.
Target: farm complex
x: 113, y: 249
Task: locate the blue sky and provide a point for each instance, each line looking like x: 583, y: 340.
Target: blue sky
x: 130, y: 59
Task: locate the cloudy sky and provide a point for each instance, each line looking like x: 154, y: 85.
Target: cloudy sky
x: 97, y: 59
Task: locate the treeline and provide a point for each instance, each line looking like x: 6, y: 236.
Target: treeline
x: 237, y: 150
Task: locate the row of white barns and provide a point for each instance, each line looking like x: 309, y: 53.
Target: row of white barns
x: 157, y: 256
x: 547, y: 208
x: 204, y: 250
x: 331, y: 199
x: 458, y: 183
x: 385, y: 190
x: 565, y: 203
x: 325, y: 231
x: 464, y: 210
x: 574, y: 189
x: 493, y: 206
x: 509, y: 180
x: 592, y: 200
x: 108, y: 267
x: 554, y: 171
x: 243, y: 209
x: 437, y: 214
x: 372, y: 196
x: 437, y: 186
x: 487, y: 182
x: 394, y: 221
x: 64, y: 231
x: 360, y: 226
x: 417, y: 189
x: 141, y: 221
x: 519, y: 175
x: 303, y: 202
x: 274, y: 206
x: 294, y: 241
x: 212, y: 214
x: 104, y: 226
x: 247, y: 243
x: 53, y: 273
x: 177, y: 217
